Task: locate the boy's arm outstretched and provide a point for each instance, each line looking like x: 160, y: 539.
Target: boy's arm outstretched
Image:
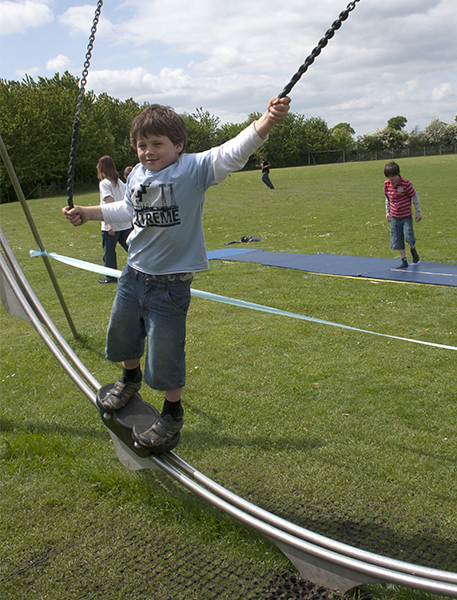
x: 78, y: 215
x: 233, y: 155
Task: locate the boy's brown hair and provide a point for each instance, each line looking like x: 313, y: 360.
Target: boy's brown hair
x: 159, y: 120
x: 392, y: 168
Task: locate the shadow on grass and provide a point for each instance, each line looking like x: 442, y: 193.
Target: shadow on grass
x: 91, y: 345
x: 416, y: 542
x: 197, y: 439
x: 51, y: 428
x: 210, y: 439
x: 440, y: 458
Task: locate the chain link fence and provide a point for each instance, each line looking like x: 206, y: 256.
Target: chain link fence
x: 343, y: 156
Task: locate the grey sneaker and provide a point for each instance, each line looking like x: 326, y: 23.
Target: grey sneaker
x: 415, y: 255
x: 120, y: 394
x: 403, y: 264
x: 160, y: 433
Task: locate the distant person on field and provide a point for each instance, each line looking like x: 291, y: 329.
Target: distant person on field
x: 399, y: 194
x: 127, y: 172
x: 165, y: 198
x: 265, y: 165
x: 112, y: 189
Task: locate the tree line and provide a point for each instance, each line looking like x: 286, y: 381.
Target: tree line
x: 36, y: 123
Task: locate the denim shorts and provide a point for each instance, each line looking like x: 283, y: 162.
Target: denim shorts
x: 152, y: 309
x: 399, y: 230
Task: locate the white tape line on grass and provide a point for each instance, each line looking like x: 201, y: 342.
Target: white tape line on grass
x: 81, y: 264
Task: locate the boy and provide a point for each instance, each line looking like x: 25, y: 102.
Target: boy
x: 399, y: 194
x: 164, y: 199
x: 265, y: 165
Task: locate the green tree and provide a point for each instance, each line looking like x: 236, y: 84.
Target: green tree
x: 342, y: 137
x: 201, y: 130
x: 416, y: 138
x: 228, y: 131
x: 345, y: 127
x: 317, y: 134
x: 36, y: 123
x: 286, y: 143
x: 397, y: 123
x: 369, y: 143
x: 118, y: 118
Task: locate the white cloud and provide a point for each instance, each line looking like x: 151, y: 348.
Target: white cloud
x: 441, y: 92
x: 17, y: 17
x: 233, y: 37
x: 387, y: 59
x: 186, y: 92
x: 32, y: 72
x: 224, y: 59
x: 79, y: 20
x: 139, y: 83
x: 58, y: 64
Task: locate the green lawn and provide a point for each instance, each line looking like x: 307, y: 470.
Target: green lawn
x: 348, y: 434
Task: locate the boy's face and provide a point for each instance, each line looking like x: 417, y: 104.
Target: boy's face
x: 394, y: 178
x: 157, y: 152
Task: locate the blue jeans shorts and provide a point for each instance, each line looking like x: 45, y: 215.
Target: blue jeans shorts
x: 399, y: 230
x: 152, y: 309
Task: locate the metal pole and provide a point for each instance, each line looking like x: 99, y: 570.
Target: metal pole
x: 28, y: 215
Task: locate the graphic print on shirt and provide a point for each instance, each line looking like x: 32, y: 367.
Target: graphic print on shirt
x: 155, y: 205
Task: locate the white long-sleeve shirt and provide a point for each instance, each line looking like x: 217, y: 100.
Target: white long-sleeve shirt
x: 117, y: 192
x: 166, y: 207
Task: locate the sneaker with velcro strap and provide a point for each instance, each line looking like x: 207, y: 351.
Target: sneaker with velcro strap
x: 161, y: 432
x: 120, y: 394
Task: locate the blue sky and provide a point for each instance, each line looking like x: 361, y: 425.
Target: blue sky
x: 391, y: 57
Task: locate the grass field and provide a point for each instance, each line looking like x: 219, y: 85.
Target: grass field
x: 351, y: 435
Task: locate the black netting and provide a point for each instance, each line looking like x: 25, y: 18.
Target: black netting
x: 117, y: 556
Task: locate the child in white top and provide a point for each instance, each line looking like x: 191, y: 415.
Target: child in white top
x: 112, y: 189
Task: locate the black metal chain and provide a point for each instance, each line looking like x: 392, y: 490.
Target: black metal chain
x: 302, y: 70
x: 317, y: 50
x: 76, y: 124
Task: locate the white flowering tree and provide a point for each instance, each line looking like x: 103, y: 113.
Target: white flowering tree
x: 435, y: 133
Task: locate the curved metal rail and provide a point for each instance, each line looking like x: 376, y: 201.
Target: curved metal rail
x: 319, y: 559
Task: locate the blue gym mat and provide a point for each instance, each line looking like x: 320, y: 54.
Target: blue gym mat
x: 345, y: 266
